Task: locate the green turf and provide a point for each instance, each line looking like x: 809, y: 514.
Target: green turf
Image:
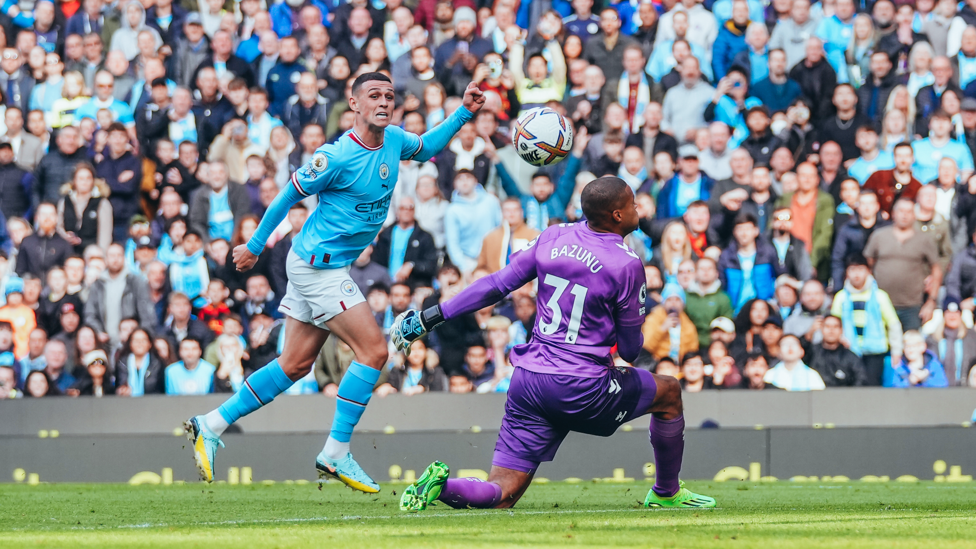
x: 769, y: 515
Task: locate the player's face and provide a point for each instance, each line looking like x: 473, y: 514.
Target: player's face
x: 374, y: 103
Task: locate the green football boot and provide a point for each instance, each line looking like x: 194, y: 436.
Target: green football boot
x: 684, y: 499
x: 427, y: 489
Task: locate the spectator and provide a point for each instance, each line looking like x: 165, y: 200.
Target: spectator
x: 180, y: 324
x: 777, y: 90
x: 188, y: 273
x: 513, y: 235
x: 419, y: 373
x: 675, y: 248
x: 693, y: 378
x: 43, y: 249
x: 817, y: 80
x: 731, y: 39
x: 953, y: 344
x: 139, y: 371
x: 116, y: 296
x: 668, y: 331
x: 56, y: 358
x: 872, y: 159
x: 39, y: 385
x: 219, y: 206
x: 939, y: 144
x: 104, y: 99
x: 307, y: 106
x: 812, y: 214
x: 684, y: 105
x: 229, y: 377
x: 191, y: 375
x: 538, y: 85
x: 16, y: 185
x: 791, y: 373
x: 477, y: 366
x: 20, y: 317
x: 715, y: 160
x: 906, y: 265
x: 706, y: 301
x: 57, y: 167
x: 791, y: 255
x: 16, y: 81
x: 928, y: 221
x: 28, y: 150
x: 95, y: 380
x: 747, y: 266
x: 918, y: 367
x: 686, y: 187
x: 606, y: 49
x: 84, y: 215
x: 741, y: 166
x: 473, y: 213
x: 836, y: 364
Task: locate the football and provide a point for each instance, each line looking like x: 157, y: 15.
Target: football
x: 542, y: 136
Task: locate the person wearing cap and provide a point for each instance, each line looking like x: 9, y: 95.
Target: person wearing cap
x: 190, y: 49
x: 953, y: 343
x: 705, y: 300
x: 747, y: 268
x: 20, y: 316
x: 722, y: 329
x: 688, y: 185
x: 96, y: 379
x: 668, y: 331
x: 456, y: 58
x: 730, y: 100
x: 870, y: 322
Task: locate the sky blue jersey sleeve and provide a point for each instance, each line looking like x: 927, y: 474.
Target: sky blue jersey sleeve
x: 310, y: 179
x: 424, y: 147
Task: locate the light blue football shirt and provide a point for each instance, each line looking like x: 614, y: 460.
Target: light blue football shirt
x: 862, y: 169
x: 927, y: 158
x: 354, y: 184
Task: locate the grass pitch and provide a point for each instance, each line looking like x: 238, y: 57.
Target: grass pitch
x: 781, y: 514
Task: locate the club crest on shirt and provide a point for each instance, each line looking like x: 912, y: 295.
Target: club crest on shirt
x: 348, y: 288
x: 384, y: 171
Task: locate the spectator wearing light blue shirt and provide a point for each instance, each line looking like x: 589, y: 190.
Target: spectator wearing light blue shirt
x: 259, y: 122
x: 191, y: 375
x: 836, y: 32
x: 872, y: 159
x: 104, y: 86
x: 938, y: 145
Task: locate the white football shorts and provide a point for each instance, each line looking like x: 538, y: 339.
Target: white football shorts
x: 316, y: 296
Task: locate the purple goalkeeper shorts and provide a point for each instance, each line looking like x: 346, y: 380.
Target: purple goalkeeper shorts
x: 543, y: 408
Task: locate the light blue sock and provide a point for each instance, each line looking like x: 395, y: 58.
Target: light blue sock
x: 355, y: 389
x: 259, y: 389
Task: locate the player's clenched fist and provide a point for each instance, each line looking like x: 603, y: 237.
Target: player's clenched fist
x: 474, y: 98
x: 243, y: 258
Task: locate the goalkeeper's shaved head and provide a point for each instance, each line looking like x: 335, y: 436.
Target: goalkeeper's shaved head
x: 602, y: 196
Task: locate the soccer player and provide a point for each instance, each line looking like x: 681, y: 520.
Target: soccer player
x: 591, y: 297
x: 354, y: 180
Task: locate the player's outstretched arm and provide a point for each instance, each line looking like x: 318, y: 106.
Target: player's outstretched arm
x: 413, y: 325
x: 277, y: 211
x: 437, y: 138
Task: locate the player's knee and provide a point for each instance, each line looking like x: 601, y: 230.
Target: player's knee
x: 669, y: 394
x: 374, y: 358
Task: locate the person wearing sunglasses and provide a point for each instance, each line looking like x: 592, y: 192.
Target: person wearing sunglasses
x: 17, y: 83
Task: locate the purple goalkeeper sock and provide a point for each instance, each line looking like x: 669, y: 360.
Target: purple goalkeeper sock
x: 668, y: 441
x: 471, y: 493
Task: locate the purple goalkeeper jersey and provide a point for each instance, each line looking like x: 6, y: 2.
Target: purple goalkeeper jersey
x: 589, y: 284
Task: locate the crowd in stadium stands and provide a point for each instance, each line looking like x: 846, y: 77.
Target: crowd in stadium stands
x: 803, y: 174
